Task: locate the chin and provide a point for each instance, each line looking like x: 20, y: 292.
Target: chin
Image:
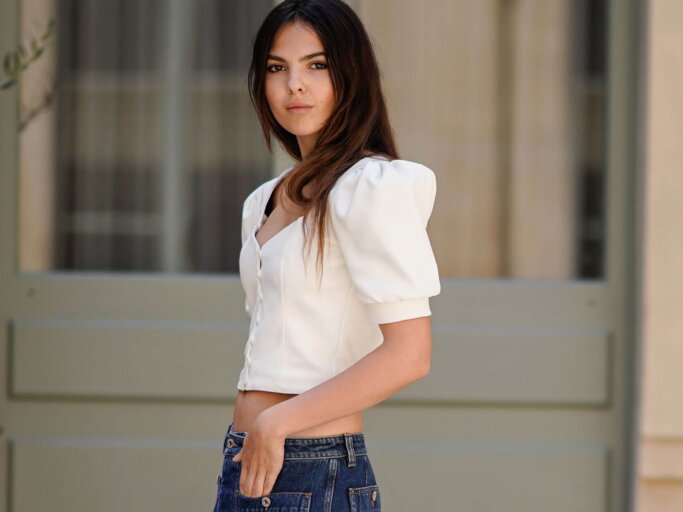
x: 300, y: 132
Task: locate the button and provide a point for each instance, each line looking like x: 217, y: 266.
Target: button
x: 374, y: 493
x: 231, y: 442
x: 265, y: 501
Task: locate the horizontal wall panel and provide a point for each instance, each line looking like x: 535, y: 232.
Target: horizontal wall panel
x: 134, y: 296
x: 96, y: 474
x: 517, y: 365
x: 445, y: 477
x: 124, y: 358
x: 521, y: 302
x: 200, y: 361
x: 113, y: 474
x: 213, y: 298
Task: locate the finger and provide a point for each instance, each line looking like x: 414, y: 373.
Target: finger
x: 246, y: 481
x: 239, y: 455
x: 269, y: 482
x: 259, y: 479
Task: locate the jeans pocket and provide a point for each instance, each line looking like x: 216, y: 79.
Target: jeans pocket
x: 218, y: 492
x: 274, y: 502
x: 365, y: 499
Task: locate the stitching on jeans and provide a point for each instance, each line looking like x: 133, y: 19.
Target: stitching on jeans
x: 358, y: 436
x: 314, y: 457
x: 364, y: 489
x: 329, y: 492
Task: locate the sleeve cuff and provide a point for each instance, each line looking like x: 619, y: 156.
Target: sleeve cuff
x: 384, y: 313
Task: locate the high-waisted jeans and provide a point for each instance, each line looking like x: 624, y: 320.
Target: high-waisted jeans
x: 319, y: 474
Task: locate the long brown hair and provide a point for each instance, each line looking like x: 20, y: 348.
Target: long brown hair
x: 359, y: 124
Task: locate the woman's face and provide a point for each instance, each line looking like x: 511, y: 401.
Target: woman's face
x: 297, y: 72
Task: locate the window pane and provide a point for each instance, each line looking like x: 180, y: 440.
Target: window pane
x: 151, y: 143
x: 143, y: 157
x: 505, y: 101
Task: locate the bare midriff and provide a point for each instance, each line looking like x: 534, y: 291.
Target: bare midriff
x: 249, y: 404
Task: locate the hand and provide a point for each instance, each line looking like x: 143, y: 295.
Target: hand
x: 261, y: 456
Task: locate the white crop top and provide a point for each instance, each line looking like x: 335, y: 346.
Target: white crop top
x: 378, y: 267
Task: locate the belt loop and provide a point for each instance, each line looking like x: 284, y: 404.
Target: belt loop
x: 348, y: 439
x: 227, y: 434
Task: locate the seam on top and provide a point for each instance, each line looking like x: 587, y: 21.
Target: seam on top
x: 283, y: 259
x: 342, y: 325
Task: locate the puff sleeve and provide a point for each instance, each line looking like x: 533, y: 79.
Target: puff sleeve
x: 379, y: 213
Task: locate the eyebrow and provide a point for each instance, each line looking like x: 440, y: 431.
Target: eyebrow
x: 306, y: 57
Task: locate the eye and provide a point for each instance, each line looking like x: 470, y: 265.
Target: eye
x: 270, y: 69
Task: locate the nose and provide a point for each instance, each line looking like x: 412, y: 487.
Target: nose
x: 295, y: 82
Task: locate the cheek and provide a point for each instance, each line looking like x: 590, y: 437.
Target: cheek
x: 271, y: 92
x: 326, y: 93
x: 329, y: 101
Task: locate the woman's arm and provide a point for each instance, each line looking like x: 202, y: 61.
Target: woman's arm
x: 402, y: 358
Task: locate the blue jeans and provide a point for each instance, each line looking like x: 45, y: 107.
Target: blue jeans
x: 319, y: 474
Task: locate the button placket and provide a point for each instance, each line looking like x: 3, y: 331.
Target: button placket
x: 259, y: 300
x: 259, y: 287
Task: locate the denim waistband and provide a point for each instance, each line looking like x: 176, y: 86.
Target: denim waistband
x: 324, y: 447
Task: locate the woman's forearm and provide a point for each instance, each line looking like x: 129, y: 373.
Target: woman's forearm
x: 374, y: 378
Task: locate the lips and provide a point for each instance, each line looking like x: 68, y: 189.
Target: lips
x: 298, y: 104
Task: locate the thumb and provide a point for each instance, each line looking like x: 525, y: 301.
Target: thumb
x: 239, y: 454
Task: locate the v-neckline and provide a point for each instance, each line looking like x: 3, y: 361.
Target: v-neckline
x: 265, y: 244
x: 263, y: 212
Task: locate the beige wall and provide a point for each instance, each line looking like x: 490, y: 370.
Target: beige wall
x: 660, y: 486
x: 36, y: 230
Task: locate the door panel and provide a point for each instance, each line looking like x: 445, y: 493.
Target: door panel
x: 119, y: 386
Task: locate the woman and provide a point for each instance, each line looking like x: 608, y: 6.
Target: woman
x: 329, y: 341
